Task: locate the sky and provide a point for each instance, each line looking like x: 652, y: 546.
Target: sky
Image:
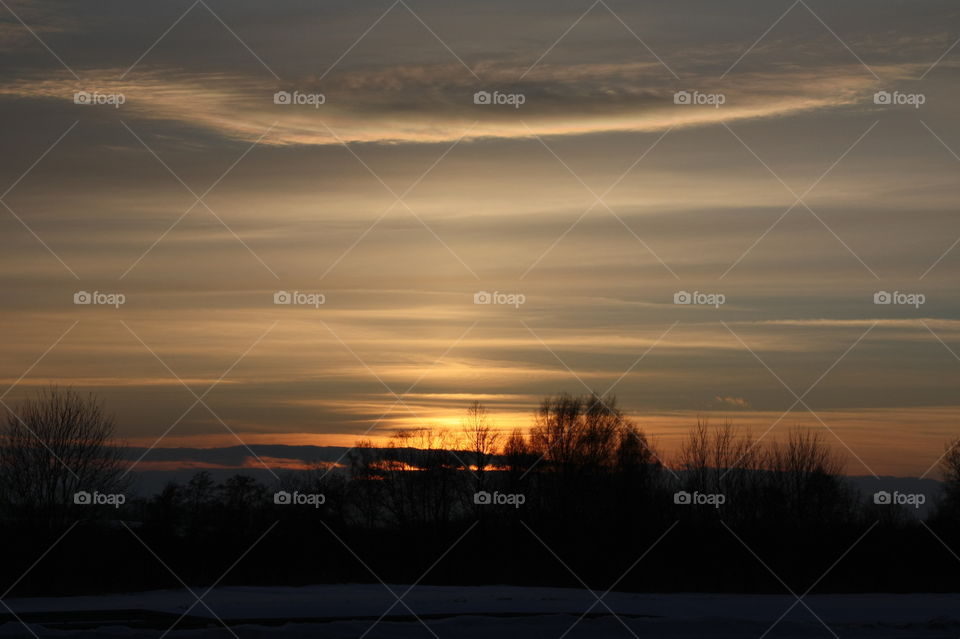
x: 777, y: 164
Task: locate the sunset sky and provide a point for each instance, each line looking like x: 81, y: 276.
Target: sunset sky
x: 398, y: 199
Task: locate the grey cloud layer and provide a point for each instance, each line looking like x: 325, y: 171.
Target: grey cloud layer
x: 598, y: 298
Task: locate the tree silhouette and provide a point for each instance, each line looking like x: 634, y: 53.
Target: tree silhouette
x: 481, y: 441
x: 53, y: 446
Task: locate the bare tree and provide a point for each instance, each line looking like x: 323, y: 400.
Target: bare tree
x: 723, y: 459
x: 950, y: 466
x: 634, y: 451
x: 365, y: 490
x: 518, y: 456
x: 481, y: 440
x: 419, y: 473
x: 805, y: 475
x: 53, y: 446
x: 577, y: 433
x: 711, y: 456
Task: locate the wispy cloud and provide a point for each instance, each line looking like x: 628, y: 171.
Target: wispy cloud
x: 435, y: 103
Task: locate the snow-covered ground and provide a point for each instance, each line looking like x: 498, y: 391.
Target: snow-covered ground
x: 500, y: 612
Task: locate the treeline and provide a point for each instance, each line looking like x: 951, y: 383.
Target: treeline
x: 582, y: 495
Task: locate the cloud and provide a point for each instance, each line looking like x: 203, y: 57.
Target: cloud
x: 429, y: 104
x: 735, y: 402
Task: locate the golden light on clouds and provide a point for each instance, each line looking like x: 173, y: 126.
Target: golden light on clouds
x: 399, y: 198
